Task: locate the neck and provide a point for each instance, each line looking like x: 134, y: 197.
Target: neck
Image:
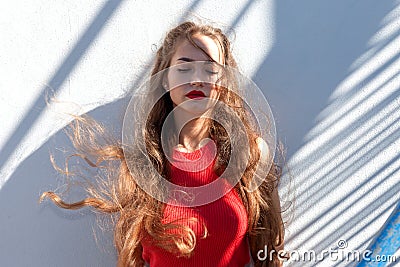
x: 194, y: 130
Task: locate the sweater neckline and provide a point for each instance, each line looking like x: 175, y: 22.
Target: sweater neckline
x: 201, y: 148
x: 196, y: 160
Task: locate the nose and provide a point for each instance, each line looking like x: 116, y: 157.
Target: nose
x: 197, y: 76
x: 196, y: 83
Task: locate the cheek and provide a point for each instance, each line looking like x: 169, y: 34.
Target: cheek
x: 175, y: 81
x: 176, y: 95
x: 172, y: 94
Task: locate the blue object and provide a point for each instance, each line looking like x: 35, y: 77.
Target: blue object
x: 386, y: 244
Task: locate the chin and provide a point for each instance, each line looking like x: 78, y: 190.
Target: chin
x: 196, y: 108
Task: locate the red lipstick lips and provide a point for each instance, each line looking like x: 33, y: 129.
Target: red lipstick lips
x: 194, y: 94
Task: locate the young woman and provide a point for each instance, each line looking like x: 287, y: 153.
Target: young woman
x: 193, y: 86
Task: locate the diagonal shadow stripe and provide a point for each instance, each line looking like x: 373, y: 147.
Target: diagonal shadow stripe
x: 237, y: 19
x: 359, y: 158
x: 363, y: 244
x: 59, y: 78
x: 333, y: 205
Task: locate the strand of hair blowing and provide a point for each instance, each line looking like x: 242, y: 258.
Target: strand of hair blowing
x: 115, y: 193
x: 137, y: 212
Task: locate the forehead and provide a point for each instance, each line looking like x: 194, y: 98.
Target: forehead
x: 185, y: 49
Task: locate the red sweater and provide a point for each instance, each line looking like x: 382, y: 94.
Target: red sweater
x: 225, y: 219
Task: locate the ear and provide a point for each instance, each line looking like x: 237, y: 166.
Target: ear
x: 264, y: 149
x: 165, y: 83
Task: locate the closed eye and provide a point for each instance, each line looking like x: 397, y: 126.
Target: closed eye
x: 212, y: 67
x: 212, y: 72
x: 183, y: 70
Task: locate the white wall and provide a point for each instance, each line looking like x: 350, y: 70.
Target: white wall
x: 328, y: 68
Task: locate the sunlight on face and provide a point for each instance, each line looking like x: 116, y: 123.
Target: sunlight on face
x: 192, y: 75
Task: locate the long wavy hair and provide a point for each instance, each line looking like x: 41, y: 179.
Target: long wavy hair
x: 138, y: 214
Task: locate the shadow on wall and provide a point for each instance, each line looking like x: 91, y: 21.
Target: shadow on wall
x: 34, y: 234
x: 333, y: 78
x: 60, y: 76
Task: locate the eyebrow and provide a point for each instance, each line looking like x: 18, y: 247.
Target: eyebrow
x: 186, y: 59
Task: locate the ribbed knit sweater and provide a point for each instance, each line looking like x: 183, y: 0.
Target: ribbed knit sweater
x: 223, y: 222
